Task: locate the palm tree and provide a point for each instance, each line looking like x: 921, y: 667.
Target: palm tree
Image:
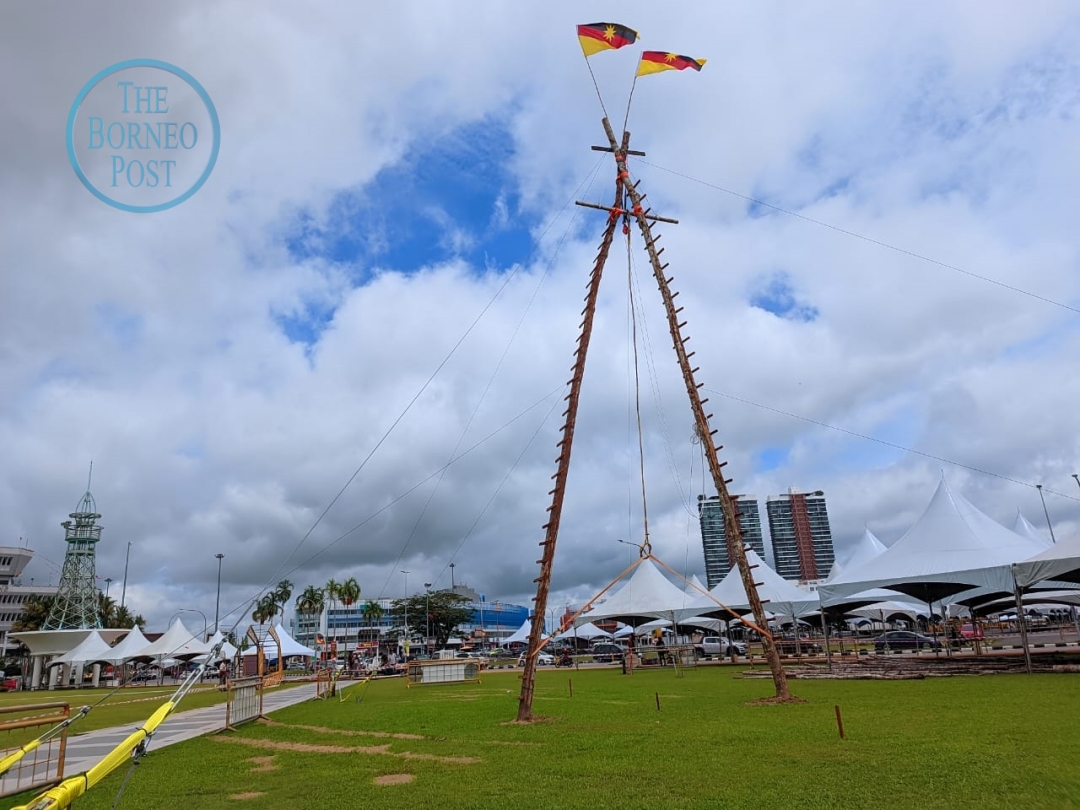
x: 372, y: 612
x: 349, y: 591
x: 282, y: 593
x: 106, y: 607
x: 265, y: 609
x: 310, y: 604
x: 333, y: 591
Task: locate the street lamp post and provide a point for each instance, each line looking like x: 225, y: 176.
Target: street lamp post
x: 1045, y: 512
x: 217, y: 604
x: 108, y: 582
x: 406, y: 573
x: 427, y: 619
x: 1077, y: 477
x: 127, y: 559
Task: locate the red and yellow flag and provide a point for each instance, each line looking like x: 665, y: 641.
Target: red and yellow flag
x: 597, y: 37
x: 656, y: 61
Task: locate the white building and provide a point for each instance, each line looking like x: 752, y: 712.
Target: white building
x: 14, y: 593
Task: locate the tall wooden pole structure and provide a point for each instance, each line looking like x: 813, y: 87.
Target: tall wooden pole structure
x: 736, y: 551
x: 543, y: 582
x: 733, y: 531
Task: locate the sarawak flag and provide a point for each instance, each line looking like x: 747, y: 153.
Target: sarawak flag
x: 597, y: 37
x: 656, y: 61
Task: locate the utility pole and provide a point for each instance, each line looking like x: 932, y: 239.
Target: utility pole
x: 127, y: 559
x: 736, y: 550
x: 427, y: 616
x: 452, y: 587
x: 1045, y: 512
x: 406, y: 603
x: 108, y: 582
x: 217, y: 604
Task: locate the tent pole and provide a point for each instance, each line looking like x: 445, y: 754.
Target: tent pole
x: 945, y: 624
x: 1076, y: 621
x: 1023, y: 624
x: 930, y: 620
x: 825, y: 633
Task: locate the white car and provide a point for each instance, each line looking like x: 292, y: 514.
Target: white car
x: 541, y: 658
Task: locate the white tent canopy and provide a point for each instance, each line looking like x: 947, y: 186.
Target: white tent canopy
x: 695, y: 587
x: 952, y: 548
x: 1024, y: 528
x: 586, y: 631
x: 1060, y: 562
x: 647, y: 594
x: 133, y: 642
x: 520, y: 636
x: 91, y: 649
x: 865, y: 549
x: 290, y: 647
x: 227, y: 652
x: 783, y: 597
x: 177, y: 642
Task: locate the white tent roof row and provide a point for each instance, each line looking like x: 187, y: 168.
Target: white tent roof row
x: 177, y: 643
x: 953, y: 547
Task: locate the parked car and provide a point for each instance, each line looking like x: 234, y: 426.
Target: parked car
x: 969, y: 632
x: 718, y: 645
x: 607, y: 653
x: 905, y: 640
x: 541, y: 658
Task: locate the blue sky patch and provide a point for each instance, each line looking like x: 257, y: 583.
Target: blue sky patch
x: 307, y: 326
x: 453, y: 198
x: 777, y: 296
x: 769, y: 458
x: 125, y: 327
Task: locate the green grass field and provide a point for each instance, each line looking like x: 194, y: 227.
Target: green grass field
x: 962, y: 742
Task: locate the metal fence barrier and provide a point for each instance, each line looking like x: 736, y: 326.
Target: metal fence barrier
x: 45, y: 764
x: 245, y: 701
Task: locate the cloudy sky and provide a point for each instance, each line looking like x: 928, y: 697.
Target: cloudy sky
x: 384, y: 273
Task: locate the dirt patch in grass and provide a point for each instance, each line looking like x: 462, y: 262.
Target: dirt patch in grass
x: 775, y: 701
x: 307, y: 748
x: 245, y: 796
x: 262, y: 764
x: 536, y: 719
x: 394, y: 779
x: 344, y: 732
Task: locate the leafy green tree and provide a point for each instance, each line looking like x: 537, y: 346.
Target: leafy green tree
x: 444, y: 611
x: 35, y: 612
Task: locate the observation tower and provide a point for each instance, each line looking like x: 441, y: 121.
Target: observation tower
x: 76, y: 603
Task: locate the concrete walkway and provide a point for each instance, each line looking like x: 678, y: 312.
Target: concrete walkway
x: 84, y: 750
